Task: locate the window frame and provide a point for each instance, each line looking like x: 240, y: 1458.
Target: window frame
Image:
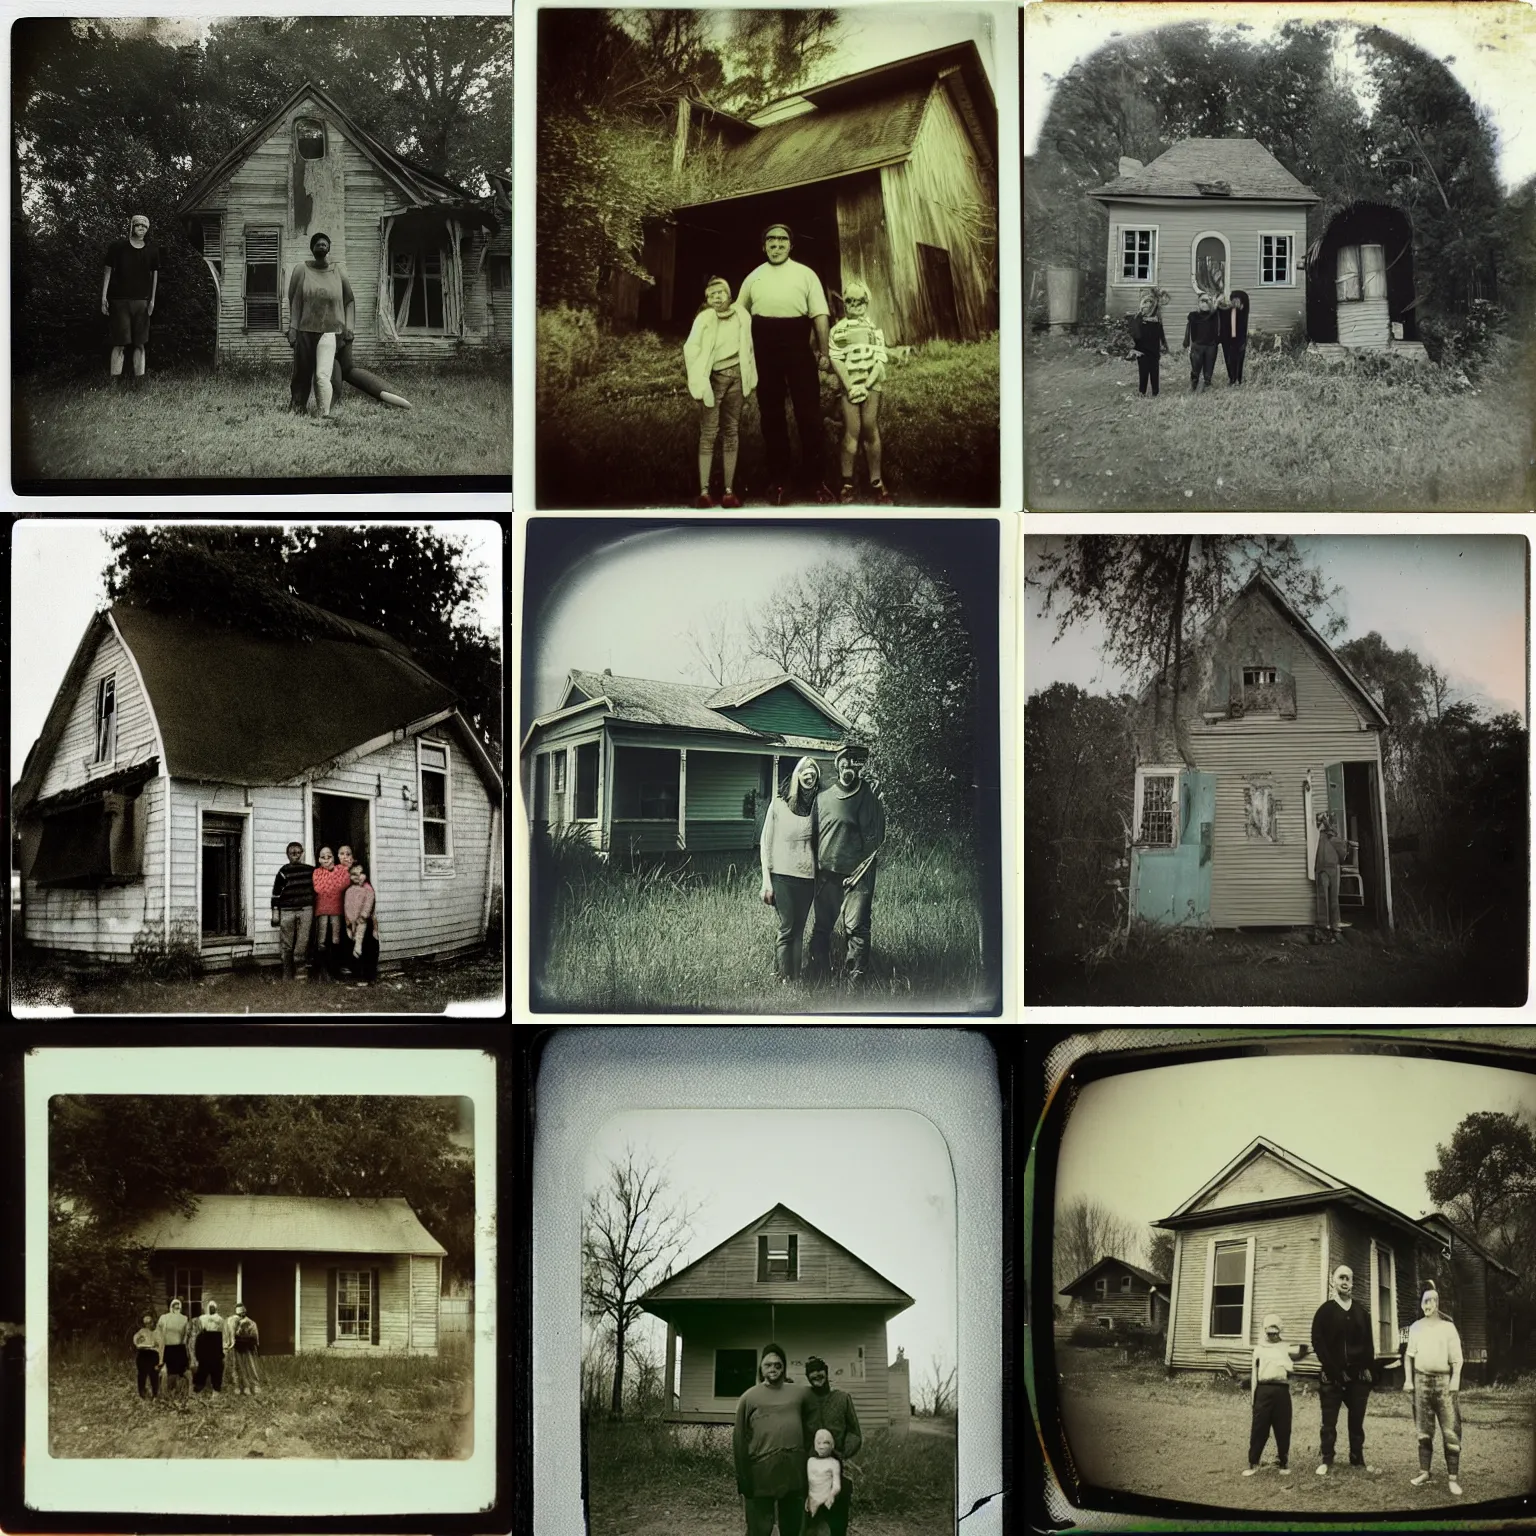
x: 185, y: 1291
x: 1289, y: 236
x: 597, y: 781
x: 637, y: 780
x: 245, y: 883
x: 714, y: 1383
x: 419, y: 274
x: 105, y: 685
x: 1101, y: 1286
x: 1260, y: 682
x: 1157, y: 771
x: 557, y: 772
x: 325, y: 137
x: 276, y: 231
x: 1378, y: 1247
x: 364, y: 1335
x: 1125, y: 1285
x: 1226, y: 265
x: 1211, y: 1340
x: 1119, y: 279
x: 435, y: 863
x: 1252, y: 781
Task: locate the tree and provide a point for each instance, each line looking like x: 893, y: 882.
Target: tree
x: 1159, y: 1252
x: 718, y: 647
x: 1087, y: 1231
x: 936, y: 1394
x: 1489, y: 1167
x: 807, y: 628
x: 631, y: 1236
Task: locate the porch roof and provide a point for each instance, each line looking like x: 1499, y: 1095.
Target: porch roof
x: 291, y: 1223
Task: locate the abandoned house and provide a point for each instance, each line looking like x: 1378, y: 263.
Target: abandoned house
x: 315, y: 1273
x: 1271, y: 729
x: 1265, y: 1235
x: 779, y: 1278
x: 179, y: 760
x: 1362, y: 291
x: 428, y: 261
x: 1114, y: 1294
x: 647, y: 766
x: 888, y: 175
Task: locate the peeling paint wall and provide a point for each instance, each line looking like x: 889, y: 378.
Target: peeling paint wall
x: 317, y: 198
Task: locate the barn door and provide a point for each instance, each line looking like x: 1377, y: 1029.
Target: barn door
x: 938, y: 288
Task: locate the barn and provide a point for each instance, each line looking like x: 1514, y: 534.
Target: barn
x: 779, y: 1278
x: 315, y: 1273
x: 179, y: 760
x: 644, y: 766
x: 1266, y: 1233
x: 1271, y: 729
x: 888, y: 175
x: 1114, y: 1294
x: 426, y: 259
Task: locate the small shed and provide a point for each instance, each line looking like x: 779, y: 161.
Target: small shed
x: 1361, y: 294
x: 778, y: 1278
x: 355, y: 1276
x: 1115, y: 1294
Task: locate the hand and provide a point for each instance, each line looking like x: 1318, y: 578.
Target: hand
x: 347, y: 333
x: 274, y: 917
x: 1365, y: 1376
x: 767, y: 894
x: 293, y: 338
x: 105, y: 308
x: 822, y: 360
x: 151, y: 309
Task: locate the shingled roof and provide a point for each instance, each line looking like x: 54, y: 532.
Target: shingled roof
x: 1249, y: 170
x: 295, y: 1223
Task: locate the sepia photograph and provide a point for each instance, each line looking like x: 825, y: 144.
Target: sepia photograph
x: 1277, y: 1314
x: 747, y: 215
x: 1334, y: 202
x: 256, y: 768
x: 1277, y: 770
x: 759, y: 766
x: 262, y: 252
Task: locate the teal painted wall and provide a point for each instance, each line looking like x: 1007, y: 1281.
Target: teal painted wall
x: 1173, y: 885
x: 661, y: 836
x: 717, y: 783
x: 786, y: 710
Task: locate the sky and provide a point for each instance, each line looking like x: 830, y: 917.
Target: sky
x: 1144, y: 1142
x: 57, y: 567
x: 896, y: 1212
x: 1487, y: 47
x: 1459, y: 601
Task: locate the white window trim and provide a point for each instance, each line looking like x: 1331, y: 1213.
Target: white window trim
x: 1101, y: 1285
x: 1226, y: 266
x: 1117, y: 267
x: 101, y: 682
x: 248, y: 876
x: 177, y: 1270
x: 1309, y: 819
x: 373, y: 1302
x: 1290, y: 264
x: 1157, y: 771
x: 441, y: 864
x: 1376, y: 1249
x: 1224, y: 1340
x: 1173, y: 1297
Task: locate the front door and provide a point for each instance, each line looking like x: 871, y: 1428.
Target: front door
x: 223, y: 878
x: 1211, y: 266
x: 938, y: 287
x: 266, y: 1288
x: 343, y: 819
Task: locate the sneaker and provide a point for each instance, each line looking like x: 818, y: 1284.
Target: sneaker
x: 705, y: 500
x: 1419, y: 1481
x: 1455, y: 1487
x: 1250, y: 1471
x: 1322, y: 1471
x: 1285, y: 1471
x: 730, y: 499
x: 883, y: 494
x: 845, y: 494
x: 824, y: 496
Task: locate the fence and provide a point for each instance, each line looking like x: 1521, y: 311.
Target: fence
x: 456, y: 1314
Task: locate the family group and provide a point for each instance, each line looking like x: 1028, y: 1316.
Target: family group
x: 1346, y: 1355
x: 1216, y: 321
x: 772, y: 339
x: 337, y: 903
x: 188, y: 1354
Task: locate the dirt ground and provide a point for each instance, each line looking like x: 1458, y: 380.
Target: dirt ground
x: 1187, y: 1439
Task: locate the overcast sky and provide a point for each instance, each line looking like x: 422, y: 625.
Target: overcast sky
x: 896, y: 1212
x: 1144, y: 1142
x: 877, y: 34
x: 1458, y: 601
x: 57, y: 583
x: 1487, y: 47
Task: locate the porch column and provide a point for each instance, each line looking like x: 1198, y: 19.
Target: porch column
x: 682, y: 797
x: 670, y: 1372
x: 774, y: 787
x: 607, y: 804
x: 239, y: 1281
x: 602, y: 790
x: 298, y: 1269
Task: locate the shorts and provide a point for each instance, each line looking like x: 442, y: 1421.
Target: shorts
x: 128, y: 322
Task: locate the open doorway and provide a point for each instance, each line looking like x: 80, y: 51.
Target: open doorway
x: 1362, y: 826
x: 342, y: 819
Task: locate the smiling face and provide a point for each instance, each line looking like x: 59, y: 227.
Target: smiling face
x: 1344, y: 1282
x: 816, y: 1375
x: 773, y: 1370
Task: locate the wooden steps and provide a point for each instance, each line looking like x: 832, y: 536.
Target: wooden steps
x: 1412, y: 351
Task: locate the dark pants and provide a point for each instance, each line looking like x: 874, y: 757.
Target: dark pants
x: 792, y: 897
x: 1146, y: 368
x: 1354, y: 1396
x: 760, y: 1513
x: 364, y: 967
x: 1271, y: 1408
x: 785, y: 364
x: 304, y: 368
x: 855, y: 905
x: 210, y: 1363
x: 1202, y: 362
x: 1232, y: 354
x: 149, y: 1370
x: 842, y: 1507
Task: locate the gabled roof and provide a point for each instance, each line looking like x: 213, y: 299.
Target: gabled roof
x: 297, y: 1223
x: 1461, y: 1236
x: 1145, y: 1275
x: 743, y: 693
x: 1249, y: 170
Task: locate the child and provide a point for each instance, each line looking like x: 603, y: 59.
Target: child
x: 1270, y: 1389
x: 330, y: 885
x: 357, y: 905
x: 722, y: 372
x: 824, y: 1475
x: 147, y: 1342
x: 1201, y: 334
x: 1232, y: 317
x: 243, y: 1361
x: 857, y: 353
x: 1148, y: 339
x: 1434, y: 1361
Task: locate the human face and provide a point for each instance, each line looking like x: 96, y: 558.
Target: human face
x: 295, y: 852
x: 823, y: 1439
x: 858, y: 306
x: 176, y: 1305
x: 148, y: 1318
x: 776, y: 247
x: 847, y: 772
x: 1147, y: 306
x: 718, y: 297
x: 1206, y: 301
x: 322, y: 248
x: 809, y: 777
x: 138, y: 228
x: 773, y: 1369
x: 1430, y: 1304
x: 344, y: 856
x: 1344, y: 1281
x: 817, y: 1376
x: 327, y: 858
x: 359, y: 875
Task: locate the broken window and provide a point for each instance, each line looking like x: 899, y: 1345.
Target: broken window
x: 1156, y: 826
x: 309, y: 132
x: 418, y: 288
x: 1259, y: 811
x: 106, y: 720
x: 1261, y: 689
x: 1253, y: 676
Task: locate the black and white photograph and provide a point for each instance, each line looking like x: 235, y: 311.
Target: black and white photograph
x: 1277, y: 770
x: 759, y: 766
x: 748, y: 215
x: 262, y: 252
x: 1315, y: 1300
x: 256, y: 768
x: 1279, y: 257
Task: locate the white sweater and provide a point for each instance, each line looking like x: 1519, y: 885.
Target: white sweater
x: 699, y: 350
x: 788, y: 845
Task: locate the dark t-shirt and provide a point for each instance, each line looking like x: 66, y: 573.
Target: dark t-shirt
x: 1201, y: 330
x: 131, y: 269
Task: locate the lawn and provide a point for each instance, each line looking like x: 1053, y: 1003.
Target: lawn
x: 232, y: 423
x: 1132, y: 1428
x: 1299, y: 433
x: 627, y: 435
x: 400, y: 1407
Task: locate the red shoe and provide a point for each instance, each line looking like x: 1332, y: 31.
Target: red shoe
x: 824, y: 497
x: 705, y: 500
x: 730, y: 499
x: 883, y: 494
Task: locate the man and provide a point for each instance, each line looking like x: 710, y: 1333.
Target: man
x: 1341, y: 1340
x: 833, y: 1411
x: 1201, y: 335
x: 242, y: 1363
x: 850, y: 830
x: 782, y: 296
x: 321, y: 307
x: 209, y: 1337
x: 173, y: 1328
x: 130, y: 279
x: 768, y: 1447
x: 1332, y: 852
x: 293, y: 907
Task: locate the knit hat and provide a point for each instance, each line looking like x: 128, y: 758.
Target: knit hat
x: 814, y: 1363
x: 774, y: 1349
x: 1272, y: 1320
x: 319, y: 235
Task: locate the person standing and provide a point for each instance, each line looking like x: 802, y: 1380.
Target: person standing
x: 148, y: 1352
x: 1149, y: 342
x: 293, y: 903
x: 832, y: 1410
x: 130, y: 279
x: 850, y: 827
x: 173, y: 1328
x: 787, y: 303
x: 1201, y: 334
x: 1332, y: 853
x: 321, y: 309
x: 247, y: 1342
x: 210, y: 1338
x: 722, y: 372
x: 768, y: 1448
x: 1232, y: 320
x: 788, y: 852
x: 361, y: 918
x: 1433, y: 1362
x: 1341, y: 1340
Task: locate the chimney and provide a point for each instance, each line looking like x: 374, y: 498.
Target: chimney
x: 1128, y: 167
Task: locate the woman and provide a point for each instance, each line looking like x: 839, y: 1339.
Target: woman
x: 321, y: 306
x: 722, y: 372
x: 1433, y: 1366
x: 788, y: 851
x: 1233, y: 315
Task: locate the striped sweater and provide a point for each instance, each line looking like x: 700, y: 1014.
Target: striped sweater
x: 294, y: 886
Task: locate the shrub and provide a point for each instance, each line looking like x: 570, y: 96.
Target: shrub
x: 568, y: 347
x: 1091, y: 1336
x: 155, y: 959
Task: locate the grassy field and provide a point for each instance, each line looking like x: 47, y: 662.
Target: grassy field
x: 1131, y: 1428
x: 1298, y: 433
x: 698, y: 937
x: 627, y: 435
x: 236, y: 424
x: 320, y: 1406
x: 647, y: 1478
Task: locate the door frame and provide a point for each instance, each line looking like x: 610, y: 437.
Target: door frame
x: 346, y: 794
x: 247, y: 876
x: 1194, y: 262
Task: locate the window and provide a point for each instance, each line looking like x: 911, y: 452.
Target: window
x: 1138, y: 255
x: 856, y: 1365
x: 560, y: 773
x: 208, y: 232
x: 1384, y: 1297
x: 418, y: 288
x: 309, y: 135
x: 263, y: 307
x: 1106, y: 1322
x: 188, y: 1284
x: 778, y: 1256
x: 1259, y: 812
x: 1125, y: 1284
x: 1155, y: 820
x: 735, y: 1371
x: 433, y: 758
x: 644, y: 784
x: 586, y: 781
x: 354, y: 1304
x: 1229, y: 1290
x: 106, y: 720
x: 498, y: 273
x: 1209, y: 263
x: 223, y: 885
x: 1254, y: 676
x: 1275, y: 260
x: 1101, y: 1285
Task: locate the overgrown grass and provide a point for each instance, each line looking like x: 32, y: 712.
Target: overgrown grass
x: 1367, y: 433
x: 621, y: 430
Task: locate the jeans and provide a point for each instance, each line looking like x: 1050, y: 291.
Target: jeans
x: 1434, y: 1402
x: 1271, y: 1407
x: 790, y: 1510
x: 1233, y: 353
x: 785, y: 365
x: 792, y: 897
x: 855, y: 905
x: 1202, y: 360
x: 723, y: 418
x: 1353, y: 1396
x: 293, y: 935
x: 1146, y: 368
x: 1328, y: 899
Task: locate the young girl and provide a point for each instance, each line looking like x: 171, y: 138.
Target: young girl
x: 722, y: 372
x: 330, y: 884
x: 824, y: 1480
x: 857, y: 353
x: 1148, y: 339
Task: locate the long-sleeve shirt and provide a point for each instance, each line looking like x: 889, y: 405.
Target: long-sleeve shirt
x: 318, y: 298
x: 702, y: 347
x: 1331, y: 853
x: 1272, y: 1362
x: 330, y: 886
x: 1147, y: 336
x: 357, y: 906
x: 834, y: 1412
x: 789, y: 841
x: 824, y: 1479
x: 858, y: 347
x: 1342, y: 1340
x: 149, y: 1338
x: 1435, y: 1345
x: 768, y: 1443
x: 294, y: 886
x: 850, y: 828
x: 1201, y: 328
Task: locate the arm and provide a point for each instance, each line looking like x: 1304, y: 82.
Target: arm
x: 872, y: 822
x: 154, y: 288
x: 1253, y: 1375
x: 295, y: 304
x: 1455, y: 1360
x: 1188, y: 327
x: 106, y: 282
x: 739, y: 1447
x: 1408, y: 1357
x: 277, y: 888
x: 349, y: 303
x: 763, y: 854
x: 837, y: 1480
x: 820, y: 322
x: 853, y: 1436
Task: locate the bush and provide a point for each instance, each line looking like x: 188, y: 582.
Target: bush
x: 1091, y: 1336
x: 155, y: 959
x: 568, y: 347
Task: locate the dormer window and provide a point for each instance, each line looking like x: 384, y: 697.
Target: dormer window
x: 309, y: 133
x: 1255, y: 677
x: 106, y: 720
x: 778, y: 1256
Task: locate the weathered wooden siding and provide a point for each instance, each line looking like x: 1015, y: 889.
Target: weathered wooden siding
x: 787, y: 711
x: 1125, y: 1309
x: 426, y: 1294
x: 1365, y: 323
x: 926, y: 197
x: 394, y: 1315
x: 218, y: 1269
x: 864, y: 247
x: 717, y: 781
x: 1179, y: 223
x: 72, y: 766
x: 1349, y: 1242
x: 1264, y: 1178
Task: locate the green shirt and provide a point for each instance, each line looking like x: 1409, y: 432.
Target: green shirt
x: 317, y: 298
x: 769, y: 1440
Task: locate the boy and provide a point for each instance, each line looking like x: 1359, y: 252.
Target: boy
x: 824, y: 1477
x: 1201, y: 334
x: 147, y: 1342
x: 1434, y: 1361
x: 1269, y: 1387
x: 242, y: 1363
x: 858, y: 356
x: 293, y: 906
